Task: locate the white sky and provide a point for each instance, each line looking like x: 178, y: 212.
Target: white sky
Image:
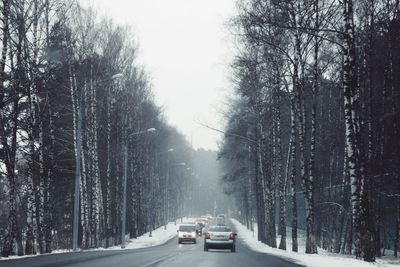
x: 185, y: 46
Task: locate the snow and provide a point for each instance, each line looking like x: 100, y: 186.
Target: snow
x: 159, y: 236
x: 323, y: 258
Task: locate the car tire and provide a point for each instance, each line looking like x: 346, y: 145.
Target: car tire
x: 233, y: 249
x: 179, y: 241
x: 194, y: 241
x: 205, y: 248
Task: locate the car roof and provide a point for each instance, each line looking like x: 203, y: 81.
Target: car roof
x: 220, y: 226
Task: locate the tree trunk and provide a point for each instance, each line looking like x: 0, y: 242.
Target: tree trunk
x: 293, y: 172
x: 97, y: 196
x: 13, y: 231
x: 31, y: 205
x: 259, y: 191
x: 280, y: 177
x: 351, y: 119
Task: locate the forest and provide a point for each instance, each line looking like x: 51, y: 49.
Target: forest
x: 312, y: 138
x: 80, y: 132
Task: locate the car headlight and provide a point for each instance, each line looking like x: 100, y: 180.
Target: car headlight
x: 194, y: 233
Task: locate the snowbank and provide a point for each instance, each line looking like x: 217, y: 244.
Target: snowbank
x: 324, y: 258
x: 159, y: 237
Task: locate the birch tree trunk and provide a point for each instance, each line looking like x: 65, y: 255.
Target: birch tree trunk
x: 293, y: 160
x: 39, y: 192
x: 9, y: 146
x: 48, y: 151
x: 259, y: 188
x: 31, y: 209
x: 97, y: 196
x: 13, y: 231
x: 350, y: 98
x: 282, y: 179
x: 107, y: 212
x: 86, y: 182
x: 33, y: 199
x: 47, y: 194
x: 311, y: 246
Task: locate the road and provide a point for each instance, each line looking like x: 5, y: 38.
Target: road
x: 168, y: 255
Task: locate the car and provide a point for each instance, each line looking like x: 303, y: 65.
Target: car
x: 187, y: 232
x: 221, y: 219
x: 209, y: 216
x: 201, y: 223
x: 220, y: 237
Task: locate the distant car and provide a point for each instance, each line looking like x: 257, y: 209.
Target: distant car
x: 221, y: 219
x: 199, y: 229
x: 187, y: 232
x: 202, y: 222
x: 220, y: 237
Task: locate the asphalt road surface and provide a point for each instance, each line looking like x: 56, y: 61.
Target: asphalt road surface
x: 169, y: 255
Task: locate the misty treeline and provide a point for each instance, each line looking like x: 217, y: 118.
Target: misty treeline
x: 71, y: 88
x: 312, y: 139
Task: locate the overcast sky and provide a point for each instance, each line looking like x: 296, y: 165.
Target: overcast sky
x: 185, y: 46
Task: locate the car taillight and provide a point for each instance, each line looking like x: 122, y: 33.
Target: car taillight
x: 232, y: 236
x: 208, y: 236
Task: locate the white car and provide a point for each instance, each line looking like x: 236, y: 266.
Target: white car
x: 187, y: 232
x: 220, y: 237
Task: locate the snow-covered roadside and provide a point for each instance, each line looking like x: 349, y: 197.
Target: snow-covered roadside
x: 324, y: 258
x: 159, y: 237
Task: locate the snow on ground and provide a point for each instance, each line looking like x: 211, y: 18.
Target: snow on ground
x: 159, y: 237
x: 323, y: 258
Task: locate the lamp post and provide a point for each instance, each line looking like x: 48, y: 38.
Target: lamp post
x: 186, y: 194
x: 123, y: 215
x: 166, y: 191
x: 182, y: 164
x: 78, y: 167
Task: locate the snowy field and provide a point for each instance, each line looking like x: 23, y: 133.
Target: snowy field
x: 323, y: 258
x: 159, y: 237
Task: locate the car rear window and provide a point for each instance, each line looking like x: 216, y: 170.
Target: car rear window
x: 187, y: 228
x: 220, y: 229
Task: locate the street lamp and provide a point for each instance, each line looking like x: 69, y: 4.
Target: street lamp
x: 166, y: 151
x: 181, y: 164
x: 123, y: 215
x: 78, y: 169
x: 150, y: 130
x: 165, y: 194
x: 166, y: 202
x: 117, y: 76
